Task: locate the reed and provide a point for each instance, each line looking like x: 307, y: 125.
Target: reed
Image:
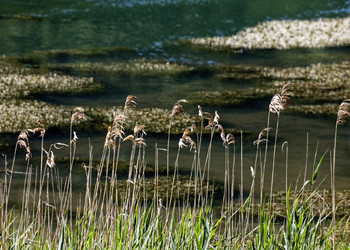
x: 342, y: 116
x: 279, y: 103
x: 118, y: 213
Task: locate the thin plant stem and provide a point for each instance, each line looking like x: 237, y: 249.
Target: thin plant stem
x: 266, y: 149
x: 167, y: 161
x: 306, y: 155
x: 274, y: 160
x: 333, y: 183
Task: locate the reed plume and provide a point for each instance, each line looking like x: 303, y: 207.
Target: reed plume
x: 50, y: 162
x: 41, y: 128
x: 108, y: 139
x: 178, y: 109
x: 117, y: 130
x: 130, y: 102
x: 226, y: 139
x: 186, y: 139
x: 139, y: 129
x: 280, y: 102
x: 343, y: 112
x: 78, y: 114
x: 23, y: 142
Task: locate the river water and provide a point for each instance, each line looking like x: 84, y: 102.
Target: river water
x: 148, y: 29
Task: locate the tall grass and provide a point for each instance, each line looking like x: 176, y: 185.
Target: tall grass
x: 165, y: 211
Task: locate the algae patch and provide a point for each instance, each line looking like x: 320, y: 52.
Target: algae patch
x: 132, y: 68
x: 17, y: 115
x: 20, y: 82
x: 283, y: 34
x: 318, y: 83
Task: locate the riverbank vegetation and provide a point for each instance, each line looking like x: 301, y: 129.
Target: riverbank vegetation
x: 165, y: 210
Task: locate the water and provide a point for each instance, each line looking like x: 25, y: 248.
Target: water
x: 148, y: 30
x: 36, y: 25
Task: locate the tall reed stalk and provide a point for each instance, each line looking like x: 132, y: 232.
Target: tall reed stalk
x: 342, y: 116
x: 177, y: 110
x: 279, y: 103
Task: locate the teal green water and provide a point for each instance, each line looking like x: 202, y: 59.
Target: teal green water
x: 150, y: 29
x: 43, y: 25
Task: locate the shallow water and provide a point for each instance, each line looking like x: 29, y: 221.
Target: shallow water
x: 148, y: 30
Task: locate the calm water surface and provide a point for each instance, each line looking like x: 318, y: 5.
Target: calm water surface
x: 148, y: 29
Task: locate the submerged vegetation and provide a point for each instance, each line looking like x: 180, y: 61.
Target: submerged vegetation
x: 139, y: 68
x: 20, y: 82
x: 20, y: 85
x: 325, y: 83
x: 283, y: 34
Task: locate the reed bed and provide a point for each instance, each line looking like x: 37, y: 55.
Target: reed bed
x: 168, y: 212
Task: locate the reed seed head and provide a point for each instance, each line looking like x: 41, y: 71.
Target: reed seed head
x: 129, y: 138
x: 226, y: 139
x: 230, y: 139
x: 117, y: 128
x: 140, y: 142
x: 343, y: 112
x: 186, y: 140
x: 42, y: 131
x: 23, y: 142
x: 261, y: 135
x: 50, y: 159
x: 130, y: 102
x: 280, y: 102
x: 177, y: 110
x: 40, y: 121
x: 108, y: 140
x: 139, y: 129
x: 78, y: 114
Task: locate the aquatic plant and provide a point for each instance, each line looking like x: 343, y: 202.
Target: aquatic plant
x: 142, y: 68
x: 28, y: 82
x: 342, y: 117
x: 283, y: 34
x: 279, y: 103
